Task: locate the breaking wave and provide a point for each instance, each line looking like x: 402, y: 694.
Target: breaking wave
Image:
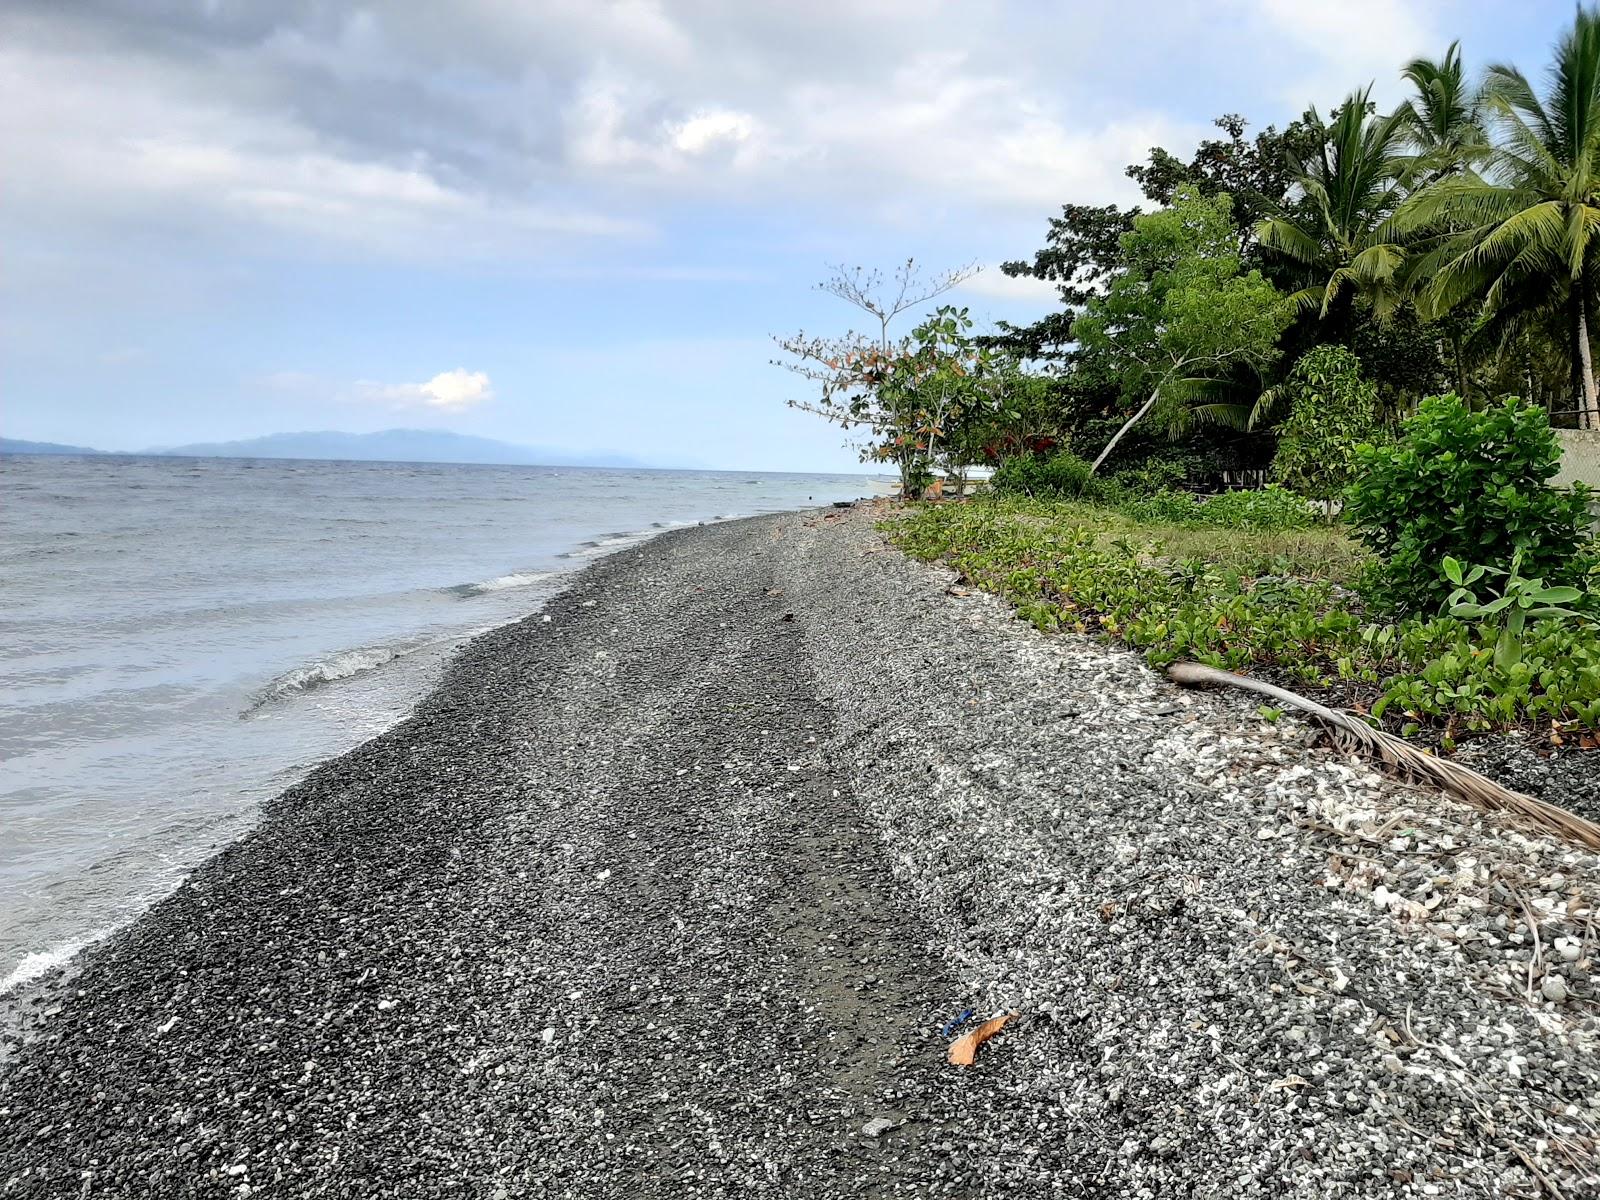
x: 327, y: 670
x: 610, y: 542
x: 501, y: 583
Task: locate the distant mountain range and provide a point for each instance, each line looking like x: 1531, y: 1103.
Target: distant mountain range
x: 18, y: 446
x: 388, y: 445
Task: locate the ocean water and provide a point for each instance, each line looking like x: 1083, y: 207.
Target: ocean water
x: 181, y: 639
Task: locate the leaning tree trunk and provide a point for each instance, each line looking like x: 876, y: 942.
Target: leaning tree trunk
x: 1126, y: 425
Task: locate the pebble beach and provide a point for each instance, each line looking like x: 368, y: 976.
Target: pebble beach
x: 677, y: 886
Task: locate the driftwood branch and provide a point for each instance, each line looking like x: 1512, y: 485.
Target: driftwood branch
x: 1351, y: 732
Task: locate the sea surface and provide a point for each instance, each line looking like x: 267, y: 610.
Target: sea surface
x: 181, y: 639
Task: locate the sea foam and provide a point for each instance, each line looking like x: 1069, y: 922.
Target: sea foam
x: 327, y: 670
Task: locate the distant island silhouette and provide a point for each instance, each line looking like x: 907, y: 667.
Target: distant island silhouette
x: 387, y: 445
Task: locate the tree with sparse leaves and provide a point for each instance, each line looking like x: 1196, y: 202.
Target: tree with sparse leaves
x: 858, y: 374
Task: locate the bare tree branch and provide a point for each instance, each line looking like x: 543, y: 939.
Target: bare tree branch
x: 866, y: 289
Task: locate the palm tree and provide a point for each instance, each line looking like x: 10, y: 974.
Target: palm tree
x: 1338, y: 233
x: 1524, y: 240
x: 1444, y: 121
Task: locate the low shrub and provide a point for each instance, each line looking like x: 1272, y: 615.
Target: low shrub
x: 1062, y: 474
x: 1263, y: 508
x: 1066, y: 572
x: 1151, y: 476
x: 1165, y: 507
x: 1266, y: 508
x: 1471, y: 485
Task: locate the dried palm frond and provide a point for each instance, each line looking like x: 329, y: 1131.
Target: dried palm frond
x: 1350, y: 732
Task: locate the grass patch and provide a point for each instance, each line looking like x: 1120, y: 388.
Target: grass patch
x: 1274, y: 600
x: 1320, y: 552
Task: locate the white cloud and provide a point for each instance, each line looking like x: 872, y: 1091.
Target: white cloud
x: 508, y: 130
x: 993, y: 284
x: 705, y: 130
x: 126, y: 143
x: 1347, y: 45
x: 940, y: 132
x: 613, y: 124
x: 449, y: 391
x: 484, y: 132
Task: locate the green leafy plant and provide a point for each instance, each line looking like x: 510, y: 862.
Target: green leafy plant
x: 1469, y: 484
x: 1183, y: 312
x: 1265, y: 508
x: 1166, y: 507
x: 1062, y: 474
x: 868, y: 384
x: 1270, y: 507
x: 1156, y: 473
x: 1332, y: 411
x: 1518, y: 600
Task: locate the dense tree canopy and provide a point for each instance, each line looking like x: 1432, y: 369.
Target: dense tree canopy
x: 1182, y: 314
x: 1522, y: 239
x: 1450, y: 244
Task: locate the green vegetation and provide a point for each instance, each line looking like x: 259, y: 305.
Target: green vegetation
x: 1148, y: 493
x: 1518, y: 238
x: 1182, y: 313
x: 1519, y: 599
x: 1347, y: 307
x: 1062, y: 475
x: 1289, y: 295
x: 1269, y: 508
x: 1332, y: 411
x: 1270, y: 601
x: 1469, y: 484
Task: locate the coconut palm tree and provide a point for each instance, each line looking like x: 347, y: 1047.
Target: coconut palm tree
x: 1444, y: 120
x: 1524, y: 239
x: 1337, y: 231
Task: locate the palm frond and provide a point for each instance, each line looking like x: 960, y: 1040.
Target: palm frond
x: 1350, y: 732
x: 1266, y: 405
x: 1288, y: 238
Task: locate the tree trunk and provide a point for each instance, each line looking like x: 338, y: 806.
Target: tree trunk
x: 1126, y: 425
x: 1590, y: 417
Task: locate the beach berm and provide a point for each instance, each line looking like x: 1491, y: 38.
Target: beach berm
x: 677, y: 892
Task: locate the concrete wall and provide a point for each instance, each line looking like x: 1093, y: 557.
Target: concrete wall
x: 1580, y: 457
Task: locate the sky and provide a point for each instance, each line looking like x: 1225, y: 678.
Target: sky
x: 579, y: 223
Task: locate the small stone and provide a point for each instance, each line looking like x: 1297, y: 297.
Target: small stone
x: 877, y: 1127
x: 1570, y: 949
x: 1554, y: 988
